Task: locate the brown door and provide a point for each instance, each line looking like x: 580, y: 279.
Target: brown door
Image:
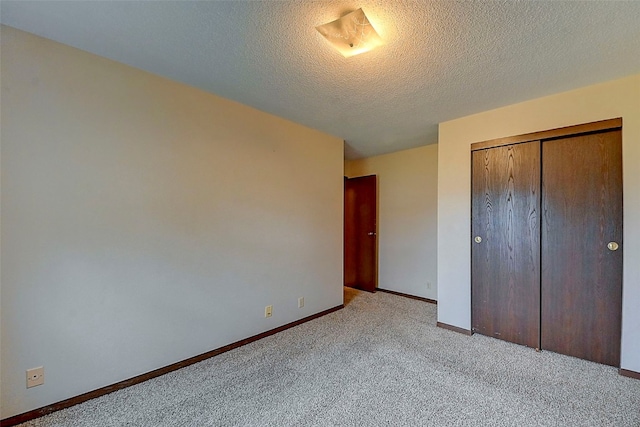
x: 505, y: 279
x: 581, y: 276
x: 360, y: 259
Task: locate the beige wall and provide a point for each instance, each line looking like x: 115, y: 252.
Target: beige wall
x: 619, y: 98
x: 407, y: 209
x: 145, y: 221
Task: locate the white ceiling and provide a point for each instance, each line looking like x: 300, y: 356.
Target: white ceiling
x: 441, y: 60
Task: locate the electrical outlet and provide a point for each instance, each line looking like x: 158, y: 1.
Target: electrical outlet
x: 268, y: 310
x: 35, y: 376
x: 300, y: 302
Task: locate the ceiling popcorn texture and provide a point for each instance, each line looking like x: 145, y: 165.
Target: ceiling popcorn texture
x: 441, y: 59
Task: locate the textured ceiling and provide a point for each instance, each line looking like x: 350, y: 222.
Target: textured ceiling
x: 441, y: 60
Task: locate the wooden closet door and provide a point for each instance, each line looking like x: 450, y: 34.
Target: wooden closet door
x: 505, y: 280
x: 581, y: 276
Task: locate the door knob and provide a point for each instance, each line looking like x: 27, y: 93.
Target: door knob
x: 613, y: 246
x: 478, y: 239
x: 371, y: 233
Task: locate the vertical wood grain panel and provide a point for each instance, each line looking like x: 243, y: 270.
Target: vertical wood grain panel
x: 360, y: 237
x: 581, y: 278
x: 506, y: 264
x: 350, y: 248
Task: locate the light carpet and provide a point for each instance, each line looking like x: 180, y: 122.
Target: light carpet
x: 380, y: 361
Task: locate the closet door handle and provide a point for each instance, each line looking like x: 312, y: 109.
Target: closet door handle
x: 478, y: 239
x: 613, y: 246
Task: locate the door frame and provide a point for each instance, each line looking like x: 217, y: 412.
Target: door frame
x: 598, y: 126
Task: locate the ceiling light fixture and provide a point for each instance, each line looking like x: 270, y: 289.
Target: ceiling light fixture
x: 352, y: 34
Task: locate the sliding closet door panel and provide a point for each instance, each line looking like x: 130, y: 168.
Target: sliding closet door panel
x: 505, y: 277
x: 581, y: 275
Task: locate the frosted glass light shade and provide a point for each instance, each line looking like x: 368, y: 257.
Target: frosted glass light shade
x: 352, y: 34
